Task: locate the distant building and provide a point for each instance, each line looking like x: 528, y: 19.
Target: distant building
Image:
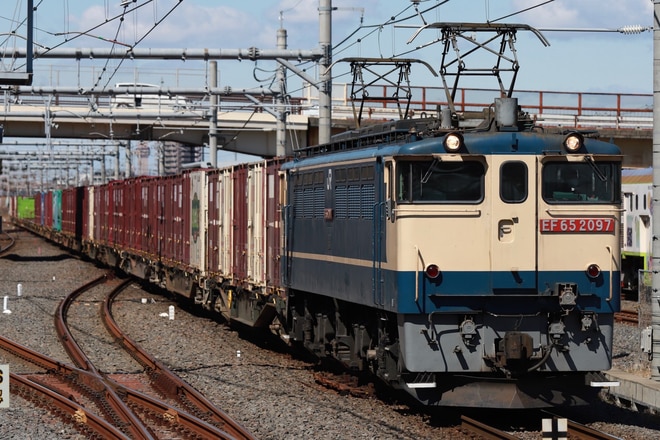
x: 176, y: 154
x: 142, y: 153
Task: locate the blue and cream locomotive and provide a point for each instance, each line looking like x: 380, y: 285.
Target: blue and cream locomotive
x: 473, y: 268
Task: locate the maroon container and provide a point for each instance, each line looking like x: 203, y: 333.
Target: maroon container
x: 273, y: 232
x: 213, y: 236
x: 39, y: 208
x: 69, y: 211
x: 104, y: 214
x: 48, y: 210
x: 240, y: 224
x: 88, y: 214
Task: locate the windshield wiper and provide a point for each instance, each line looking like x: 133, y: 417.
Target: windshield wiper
x: 429, y: 172
x: 599, y: 173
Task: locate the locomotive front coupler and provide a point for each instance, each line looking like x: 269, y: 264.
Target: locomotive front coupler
x: 567, y: 294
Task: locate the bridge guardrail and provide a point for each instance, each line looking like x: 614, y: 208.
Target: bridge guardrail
x: 550, y: 108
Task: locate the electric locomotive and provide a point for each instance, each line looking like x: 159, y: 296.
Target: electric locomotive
x: 472, y: 268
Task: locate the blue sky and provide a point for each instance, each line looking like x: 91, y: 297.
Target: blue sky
x: 574, y: 61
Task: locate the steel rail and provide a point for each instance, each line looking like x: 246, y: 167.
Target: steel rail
x: 77, y: 356
x: 581, y: 431
x: 78, y: 416
x: 483, y: 430
x: 116, y: 394
x: 169, y: 383
x: 586, y: 433
x: 78, y: 378
x: 124, y: 415
x: 11, y: 244
x: 98, y: 384
x: 169, y: 414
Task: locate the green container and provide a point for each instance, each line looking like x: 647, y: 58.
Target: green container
x: 57, y: 210
x: 25, y: 207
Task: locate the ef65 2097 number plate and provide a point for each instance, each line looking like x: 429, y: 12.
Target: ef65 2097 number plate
x: 576, y: 225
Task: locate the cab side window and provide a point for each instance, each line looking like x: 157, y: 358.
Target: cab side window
x: 513, y: 182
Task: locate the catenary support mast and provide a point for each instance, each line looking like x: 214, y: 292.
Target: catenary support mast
x: 655, y: 251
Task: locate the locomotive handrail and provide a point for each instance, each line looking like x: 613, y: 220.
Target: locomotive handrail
x: 581, y: 209
x: 417, y: 259
x: 609, y: 249
x: 474, y: 212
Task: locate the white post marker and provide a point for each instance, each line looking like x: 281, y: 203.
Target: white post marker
x: 555, y: 429
x: 171, y: 313
x: 4, y: 386
x: 5, y: 310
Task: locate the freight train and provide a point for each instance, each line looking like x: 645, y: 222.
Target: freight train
x: 476, y: 267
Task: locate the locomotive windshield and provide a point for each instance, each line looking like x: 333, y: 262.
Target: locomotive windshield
x: 584, y: 182
x: 441, y: 182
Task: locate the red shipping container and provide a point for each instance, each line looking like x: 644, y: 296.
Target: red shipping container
x: 141, y: 215
x: 69, y: 211
x: 88, y: 215
x: 48, y: 210
x: 39, y: 208
x: 155, y: 220
x: 172, y: 239
x: 240, y: 225
x: 103, y: 209
x: 273, y: 223
x: 131, y: 214
x: 113, y: 194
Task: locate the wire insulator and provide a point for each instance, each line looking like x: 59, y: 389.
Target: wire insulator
x: 633, y: 29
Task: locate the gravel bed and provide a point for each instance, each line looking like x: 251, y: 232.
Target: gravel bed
x: 270, y: 393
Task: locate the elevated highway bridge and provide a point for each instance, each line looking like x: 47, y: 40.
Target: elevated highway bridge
x: 243, y: 126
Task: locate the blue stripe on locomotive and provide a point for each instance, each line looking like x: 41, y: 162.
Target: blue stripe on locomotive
x: 455, y: 291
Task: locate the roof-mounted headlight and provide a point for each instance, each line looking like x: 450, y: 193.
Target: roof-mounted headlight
x: 453, y: 142
x: 573, y: 142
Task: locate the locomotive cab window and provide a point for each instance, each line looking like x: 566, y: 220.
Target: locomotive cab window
x: 513, y: 182
x: 434, y: 181
x: 581, y: 182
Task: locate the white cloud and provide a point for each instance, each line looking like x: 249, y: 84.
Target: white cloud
x: 588, y: 13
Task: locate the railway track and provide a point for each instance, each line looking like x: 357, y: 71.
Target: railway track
x: 583, y: 432
x: 101, y: 405
x: 165, y: 381
x: 483, y: 430
x: 627, y: 317
x: 6, y: 242
x: 572, y: 430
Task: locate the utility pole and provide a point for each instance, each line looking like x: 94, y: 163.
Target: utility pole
x: 655, y: 251
x: 213, y: 117
x: 281, y: 114
x: 325, y: 73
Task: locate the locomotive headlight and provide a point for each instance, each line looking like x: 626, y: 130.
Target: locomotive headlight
x: 432, y: 271
x: 453, y: 142
x: 573, y: 142
x: 593, y: 271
